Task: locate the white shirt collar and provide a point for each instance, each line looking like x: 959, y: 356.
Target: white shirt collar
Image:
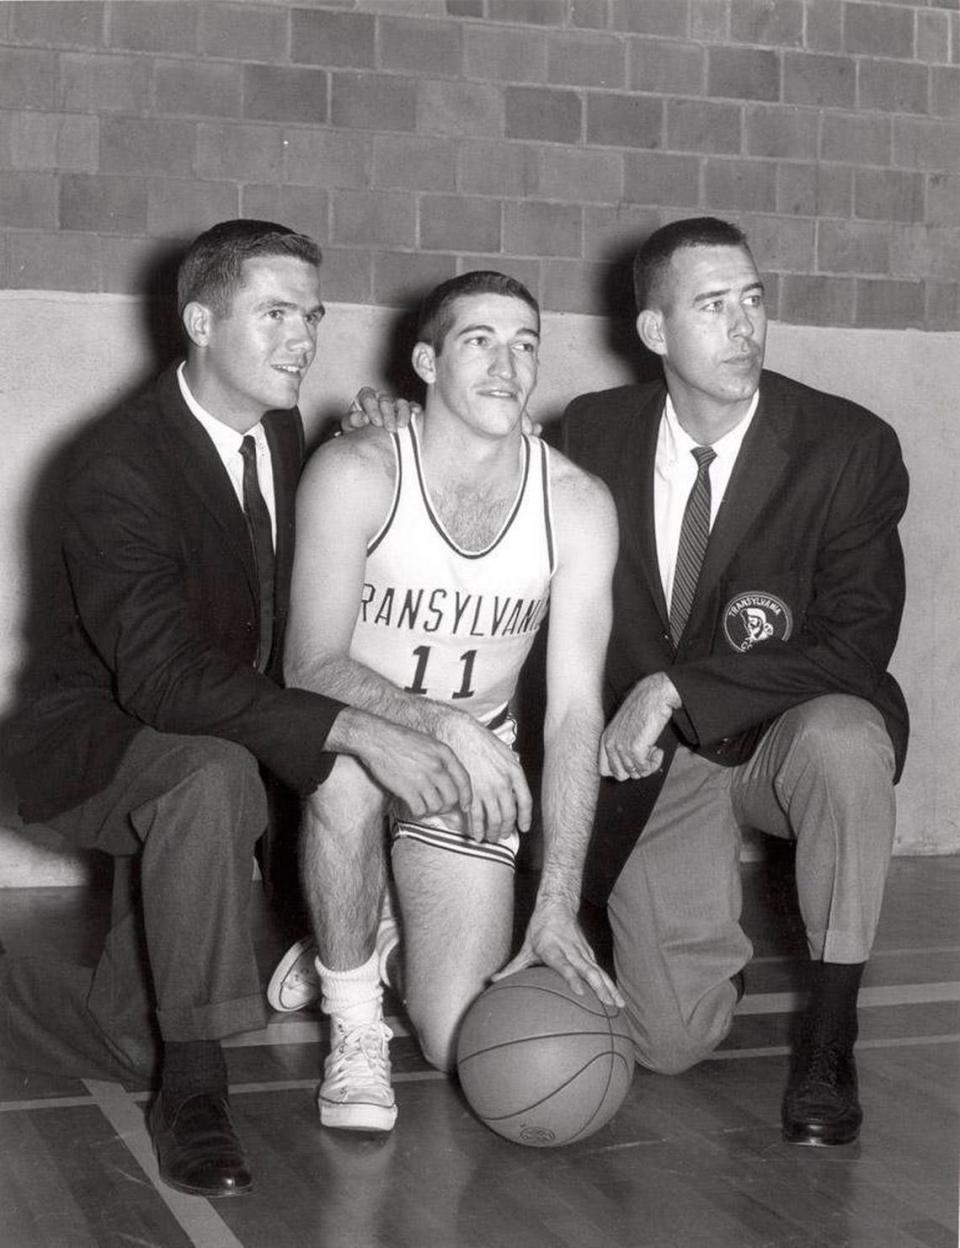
x: 227, y: 441
x: 676, y: 442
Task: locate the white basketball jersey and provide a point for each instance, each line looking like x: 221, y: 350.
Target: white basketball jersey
x: 452, y: 624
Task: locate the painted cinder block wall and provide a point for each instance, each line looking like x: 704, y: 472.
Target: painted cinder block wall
x: 418, y: 138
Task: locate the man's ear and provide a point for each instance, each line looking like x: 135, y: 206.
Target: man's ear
x: 424, y: 362
x: 650, y: 331
x: 197, y: 320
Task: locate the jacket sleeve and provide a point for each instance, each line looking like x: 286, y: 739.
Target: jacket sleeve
x: 573, y: 441
x: 844, y: 641
x: 141, y: 605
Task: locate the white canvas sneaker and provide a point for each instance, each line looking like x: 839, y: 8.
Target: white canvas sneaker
x: 295, y: 983
x: 356, y: 1094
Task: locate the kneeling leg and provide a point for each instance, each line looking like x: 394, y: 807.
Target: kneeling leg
x: 457, y: 916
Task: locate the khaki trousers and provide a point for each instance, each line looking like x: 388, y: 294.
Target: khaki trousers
x: 822, y: 776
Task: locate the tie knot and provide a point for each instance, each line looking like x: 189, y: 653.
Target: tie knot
x: 248, y: 448
x: 704, y: 455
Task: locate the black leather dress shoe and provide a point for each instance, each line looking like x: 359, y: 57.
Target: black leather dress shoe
x: 820, y: 1105
x: 197, y: 1146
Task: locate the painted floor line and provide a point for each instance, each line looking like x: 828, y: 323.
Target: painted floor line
x: 883, y: 994
x: 781, y: 1050
x: 45, y: 1102
x: 906, y: 952
x: 413, y: 1076
x: 298, y: 1031
x: 293, y: 1085
x: 196, y: 1216
x: 310, y: 1030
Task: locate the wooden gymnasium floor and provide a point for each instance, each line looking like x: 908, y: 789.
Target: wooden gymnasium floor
x: 688, y: 1162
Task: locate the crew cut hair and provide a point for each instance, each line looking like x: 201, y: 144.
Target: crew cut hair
x: 436, y: 314
x: 211, y: 272
x: 654, y: 255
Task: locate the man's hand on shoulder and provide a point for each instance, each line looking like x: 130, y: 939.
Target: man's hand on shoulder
x: 424, y: 773
x: 628, y: 747
x: 376, y: 407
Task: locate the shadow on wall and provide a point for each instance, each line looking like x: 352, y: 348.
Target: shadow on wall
x: 391, y: 365
x: 618, y: 342
x: 41, y: 557
x: 618, y: 303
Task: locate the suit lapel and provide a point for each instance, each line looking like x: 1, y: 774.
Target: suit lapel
x: 636, y: 487
x: 284, y: 432
x: 757, y: 475
x: 202, y: 469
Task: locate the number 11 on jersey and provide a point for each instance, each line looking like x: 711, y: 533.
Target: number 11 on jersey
x: 419, y: 676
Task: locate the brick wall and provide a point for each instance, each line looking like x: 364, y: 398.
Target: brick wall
x: 416, y: 138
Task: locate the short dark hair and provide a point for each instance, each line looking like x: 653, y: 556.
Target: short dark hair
x: 436, y: 315
x: 653, y: 257
x: 212, y: 270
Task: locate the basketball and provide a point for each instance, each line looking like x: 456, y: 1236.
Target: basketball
x: 540, y: 1065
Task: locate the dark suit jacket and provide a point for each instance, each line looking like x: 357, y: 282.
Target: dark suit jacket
x: 158, y: 601
x: 807, y: 531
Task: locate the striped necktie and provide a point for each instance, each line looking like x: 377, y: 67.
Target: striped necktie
x: 261, y: 539
x: 694, y: 532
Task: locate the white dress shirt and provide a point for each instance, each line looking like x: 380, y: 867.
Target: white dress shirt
x: 675, y: 471
x: 228, y: 442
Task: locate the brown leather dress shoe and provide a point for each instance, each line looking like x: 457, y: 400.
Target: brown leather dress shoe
x: 820, y: 1105
x: 197, y: 1146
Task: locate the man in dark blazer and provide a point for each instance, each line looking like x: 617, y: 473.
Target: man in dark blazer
x: 751, y: 690
x: 146, y: 723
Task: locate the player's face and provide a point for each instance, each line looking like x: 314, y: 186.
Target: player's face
x: 487, y: 366
x: 255, y: 357
x: 710, y: 328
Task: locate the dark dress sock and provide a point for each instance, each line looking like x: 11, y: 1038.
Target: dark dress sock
x: 193, y: 1066
x: 832, y: 1009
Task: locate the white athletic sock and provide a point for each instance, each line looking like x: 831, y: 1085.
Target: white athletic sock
x: 352, y: 997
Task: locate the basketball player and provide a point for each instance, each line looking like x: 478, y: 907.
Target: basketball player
x: 425, y: 561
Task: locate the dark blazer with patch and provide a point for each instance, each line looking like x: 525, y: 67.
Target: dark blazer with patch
x: 157, y: 596
x: 807, y: 529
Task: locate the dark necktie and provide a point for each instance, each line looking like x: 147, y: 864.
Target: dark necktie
x: 261, y: 538
x: 694, y: 532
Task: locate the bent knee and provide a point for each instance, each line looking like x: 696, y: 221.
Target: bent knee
x: 222, y: 759
x: 346, y: 798
x: 437, y: 1026
x: 438, y: 1043
x: 841, y: 731
x: 220, y: 783
x: 229, y: 774
x: 670, y: 1046
x: 670, y: 1059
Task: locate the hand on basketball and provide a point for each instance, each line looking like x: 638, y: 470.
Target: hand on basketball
x: 376, y: 407
x: 554, y: 938
x: 424, y: 773
x: 500, y: 800
x: 628, y: 747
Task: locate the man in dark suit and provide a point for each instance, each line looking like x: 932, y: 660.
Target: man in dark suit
x: 146, y: 723
x: 757, y: 601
